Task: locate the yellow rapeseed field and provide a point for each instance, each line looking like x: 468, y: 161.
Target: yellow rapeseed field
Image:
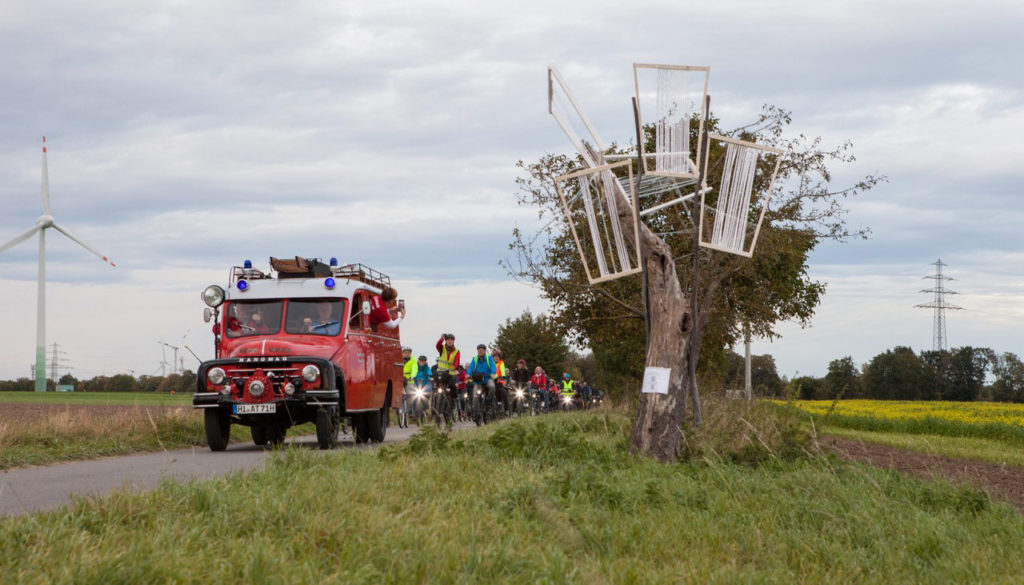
x: 972, y: 413
x: 993, y: 420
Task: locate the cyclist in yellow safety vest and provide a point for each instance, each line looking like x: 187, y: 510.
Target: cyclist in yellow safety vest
x: 500, y: 389
x: 567, y: 385
x: 448, y: 358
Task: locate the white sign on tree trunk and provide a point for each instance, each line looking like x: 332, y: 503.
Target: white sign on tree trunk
x: 656, y: 380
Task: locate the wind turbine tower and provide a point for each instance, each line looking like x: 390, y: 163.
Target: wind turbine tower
x: 939, y: 305
x: 44, y: 223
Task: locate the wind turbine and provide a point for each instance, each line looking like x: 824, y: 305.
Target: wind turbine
x: 44, y: 223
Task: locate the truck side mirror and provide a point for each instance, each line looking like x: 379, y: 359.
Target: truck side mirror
x: 207, y: 314
x: 366, y: 307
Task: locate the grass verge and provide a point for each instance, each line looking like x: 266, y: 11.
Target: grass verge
x: 78, y: 434
x: 66, y: 435
x: 97, y: 398
x: 557, y: 499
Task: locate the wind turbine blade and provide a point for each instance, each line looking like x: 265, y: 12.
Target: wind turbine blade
x: 81, y: 243
x: 28, y: 234
x: 46, y: 183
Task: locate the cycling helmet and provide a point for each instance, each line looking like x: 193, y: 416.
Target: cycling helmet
x: 407, y: 348
x: 566, y: 375
x: 481, y: 346
x: 448, y: 336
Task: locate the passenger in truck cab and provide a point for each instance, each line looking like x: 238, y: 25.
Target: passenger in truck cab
x: 324, y: 322
x: 246, y: 320
x: 381, y: 309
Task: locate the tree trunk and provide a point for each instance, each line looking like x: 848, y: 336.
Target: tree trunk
x: 657, y: 431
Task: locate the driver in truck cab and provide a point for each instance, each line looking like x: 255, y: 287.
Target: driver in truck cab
x: 323, y: 322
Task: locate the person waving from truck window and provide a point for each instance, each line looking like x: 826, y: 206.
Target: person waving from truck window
x: 381, y: 309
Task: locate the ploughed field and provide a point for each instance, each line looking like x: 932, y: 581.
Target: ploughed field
x: 976, y: 443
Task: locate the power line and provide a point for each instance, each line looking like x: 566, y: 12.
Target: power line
x: 940, y: 306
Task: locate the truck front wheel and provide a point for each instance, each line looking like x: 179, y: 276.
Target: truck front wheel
x: 218, y: 428
x: 326, y: 428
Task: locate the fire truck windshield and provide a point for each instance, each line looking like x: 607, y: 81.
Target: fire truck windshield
x: 253, y: 318
x: 316, y: 317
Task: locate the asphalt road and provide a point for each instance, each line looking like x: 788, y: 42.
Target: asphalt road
x: 34, y: 489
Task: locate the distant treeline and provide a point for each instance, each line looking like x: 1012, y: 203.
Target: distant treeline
x: 960, y: 374
x: 184, y: 382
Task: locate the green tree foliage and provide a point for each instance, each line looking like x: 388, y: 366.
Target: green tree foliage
x: 897, y: 374
x: 19, y: 385
x: 1008, y: 370
x: 535, y: 339
x: 843, y: 379
x: 806, y: 388
x: 958, y: 374
x: 764, y: 377
x: 67, y: 379
x: 760, y: 292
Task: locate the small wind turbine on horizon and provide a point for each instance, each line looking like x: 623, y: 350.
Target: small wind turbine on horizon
x: 45, y: 222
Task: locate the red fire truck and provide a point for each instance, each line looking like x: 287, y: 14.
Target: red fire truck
x: 296, y: 345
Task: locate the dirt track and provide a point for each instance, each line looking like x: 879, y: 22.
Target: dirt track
x: 1004, y: 482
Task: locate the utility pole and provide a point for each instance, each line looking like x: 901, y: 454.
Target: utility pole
x: 748, y: 389
x: 939, y: 305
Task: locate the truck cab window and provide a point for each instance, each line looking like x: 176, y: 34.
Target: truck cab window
x: 315, y: 317
x: 357, y: 319
x: 253, y: 318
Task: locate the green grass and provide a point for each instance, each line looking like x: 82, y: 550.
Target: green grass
x: 97, y: 398
x: 78, y: 435
x: 552, y: 500
x: 988, y: 450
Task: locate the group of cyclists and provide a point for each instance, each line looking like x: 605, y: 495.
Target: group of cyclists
x: 484, y: 389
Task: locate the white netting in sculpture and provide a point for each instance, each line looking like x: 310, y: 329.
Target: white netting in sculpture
x: 730, y: 216
x: 566, y: 111
x: 590, y: 200
x: 669, y: 98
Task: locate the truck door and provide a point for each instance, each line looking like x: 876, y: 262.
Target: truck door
x: 359, y: 358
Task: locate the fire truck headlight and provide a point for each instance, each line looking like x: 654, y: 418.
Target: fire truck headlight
x: 215, y: 376
x: 225, y: 390
x: 310, y: 373
x: 256, y: 388
x: 289, y: 388
x: 213, y: 296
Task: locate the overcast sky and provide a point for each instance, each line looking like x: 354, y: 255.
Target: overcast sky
x: 186, y: 137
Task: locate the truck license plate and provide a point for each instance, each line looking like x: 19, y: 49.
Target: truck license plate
x: 256, y: 408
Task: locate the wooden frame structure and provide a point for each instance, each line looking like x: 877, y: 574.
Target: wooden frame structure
x: 599, y: 185
x: 728, y: 231
x: 564, y: 108
x: 671, y: 117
